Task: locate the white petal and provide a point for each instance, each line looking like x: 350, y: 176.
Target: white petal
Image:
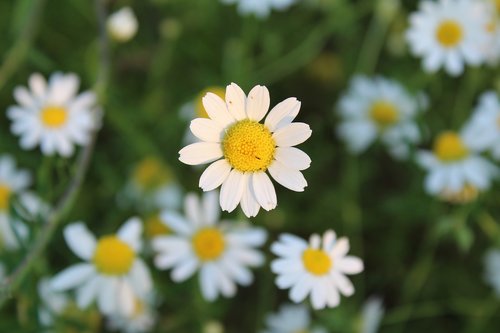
x: 292, y: 134
x: 292, y: 158
x: 211, y: 207
x: 108, y: 296
x: 130, y: 232
x: 282, y: 114
x: 343, y: 283
x: 140, y: 278
x: 232, y: 190
x: 236, y: 101
x: 192, y: 209
x: 207, y: 282
x: 80, y: 240
x: 200, y: 153
x: 23, y: 97
x: 72, y: 276
x: 88, y: 292
x: 264, y: 190
x: 184, y: 270
x: 350, y: 265
x: 341, y: 247
x: 206, y: 130
x: 318, y: 296
x: 249, y: 204
x: 258, y: 103
x: 63, y: 89
x: 217, y: 110
x: 125, y: 298
x: 176, y: 222
x: 300, y: 291
x: 291, y: 179
x: 214, y: 175
x: 38, y: 85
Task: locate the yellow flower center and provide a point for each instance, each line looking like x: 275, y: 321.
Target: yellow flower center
x: 150, y: 173
x: 113, y: 256
x: 384, y: 113
x: 449, y: 147
x: 54, y: 116
x: 208, y: 244
x: 199, y: 108
x: 5, y: 192
x: 467, y: 194
x: 248, y: 146
x: 316, y: 262
x: 154, y: 226
x: 449, y: 33
x: 497, y: 5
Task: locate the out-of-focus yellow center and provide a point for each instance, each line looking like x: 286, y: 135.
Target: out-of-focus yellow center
x: 113, y: 256
x: 248, y: 146
x: 154, y: 226
x: 208, y: 244
x: 449, y: 33
x: 54, y: 116
x: 5, y: 193
x: 151, y: 173
x: 467, y: 194
x: 384, y: 113
x: 449, y: 147
x: 199, y: 108
x: 316, y: 262
x: 497, y: 5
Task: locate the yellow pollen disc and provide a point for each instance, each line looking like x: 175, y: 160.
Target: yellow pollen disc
x: 54, y: 116
x: 155, y: 227
x: 5, y: 192
x: 316, y: 262
x: 248, y: 146
x: 208, y: 244
x: 449, y: 147
x: 497, y: 5
x: 113, y: 256
x: 467, y: 194
x: 449, y: 33
x: 150, y: 173
x: 384, y: 113
x: 199, y: 108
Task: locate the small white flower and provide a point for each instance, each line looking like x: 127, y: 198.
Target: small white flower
x: 291, y: 319
x: 453, y: 166
x: 52, y: 115
x: 112, y: 273
x: 261, y: 8
x: 378, y: 108
x: 122, y: 25
x: 317, y: 268
x: 142, y: 319
x: 244, y: 149
x: 372, y: 314
x: 448, y: 33
x: 492, y: 269
x: 220, y: 251
x: 53, y: 303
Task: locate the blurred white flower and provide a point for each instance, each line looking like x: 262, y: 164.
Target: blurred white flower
x: 453, y: 166
x: 379, y: 108
x: 449, y: 33
x: 244, y: 149
x: 220, y: 251
x: 492, y: 269
x: 291, y: 319
x: 372, y: 314
x: 213, y: 327
x: 142, y: 319
x: 317, y: 268
x: 491, y: 48
x: 260, y: 8
x: 113, y: 273
x: 52, y: 303
x: 52, y: 116
x: 122, y: 25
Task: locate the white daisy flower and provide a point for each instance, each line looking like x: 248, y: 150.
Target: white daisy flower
x: 379, y: 108
x: 317, y: 268
x: 448, y: 33
x: 112, y: 273
x: 142, y: 319
x: 261, y: 8
x: 244, y: 149
x: 482, y: 132
x: 52, y: 116
x: 491, y: 49
x: 372, y: 314
x: 122, y: 25
x: 492, y: 269
x: 291, y: 319
x: 221, y: 252
x: 453, y: 166
x: 52, y: 303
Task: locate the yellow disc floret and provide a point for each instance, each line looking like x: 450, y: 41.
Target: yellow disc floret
x: 467, y: 194
x: 154, y: 226
x: 5, y: 192
x: 316, y: 262
x: 384, y: 113
x: 199, y: 108
x: 248, y: 146
x: 151, y: 173
x: 113, y: 256
x: 208, y: 244
x: 54, y: 116
x: 449, y: 147
x: 449, y: 33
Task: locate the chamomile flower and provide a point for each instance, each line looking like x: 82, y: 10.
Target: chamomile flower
x: 453, y: 166
x: 448, y: 33
x: 242, y: 149
x: 492, y: 269
x: 142, y: 319
x: 112, y: 273
x: 122, y: 25
x: 52, y: 116
x: 317, y: 268
x: 379, y: 108
x: 291, y: 319
x: 261, y: 8
x: 482, y: 132
x: 220, y: 251
x: 52, y: 303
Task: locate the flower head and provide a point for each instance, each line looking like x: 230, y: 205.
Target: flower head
x: 317, y: 268
x: 221, y: 252
x: 122, y: 25
x: 142, y: 319
x: 242, y: 149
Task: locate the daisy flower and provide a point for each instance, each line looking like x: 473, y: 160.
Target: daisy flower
x: 492, y: 269
x: 122, y: 25
x: 112, y: 272
x: 52, y: 303
x: 317, y: 268
x: 261, y: 8
x: 372, y: 314
x: 291, y: 319
x: 220, y: 251
x: 448, y: 33
x: 142, y: 319
x: 482, y: 132
x: 379, y: 108
x: 242, y: 149
x: 52, y: 116
x: 454, y: 167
